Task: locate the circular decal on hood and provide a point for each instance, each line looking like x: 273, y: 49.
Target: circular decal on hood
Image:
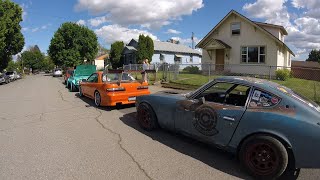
x: 205, y: 121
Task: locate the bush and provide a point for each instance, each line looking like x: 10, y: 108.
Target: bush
x: 192, y: 69
x: 283, y: 74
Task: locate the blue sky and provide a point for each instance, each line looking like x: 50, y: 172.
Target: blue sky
x: 165, y: 19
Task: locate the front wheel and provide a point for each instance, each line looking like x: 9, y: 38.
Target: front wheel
x: 146, y: 117
x: 264, y: 157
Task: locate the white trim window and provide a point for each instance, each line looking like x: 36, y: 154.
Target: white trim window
x: 235, y: 28
x: 253, y: 54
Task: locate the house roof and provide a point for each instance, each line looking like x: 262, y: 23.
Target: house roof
x: 176, y: 48
x: 284, y: 31
x: 306, y: 64
x: 102, y: 57
x: 258, y: 25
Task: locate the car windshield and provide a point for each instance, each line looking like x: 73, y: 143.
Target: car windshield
x: 9, y: 73
x: 57, y: 70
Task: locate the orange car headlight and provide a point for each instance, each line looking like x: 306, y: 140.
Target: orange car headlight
x: 116, y: 89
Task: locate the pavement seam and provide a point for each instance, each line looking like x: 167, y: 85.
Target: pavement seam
x: 61, y: 96
x: 120, y: 144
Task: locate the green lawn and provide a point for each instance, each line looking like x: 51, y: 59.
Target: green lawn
x: 308, y: 88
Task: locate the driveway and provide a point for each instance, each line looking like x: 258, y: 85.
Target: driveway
x: 47, y: 132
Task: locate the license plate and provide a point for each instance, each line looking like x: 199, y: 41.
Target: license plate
x: 131, y: 98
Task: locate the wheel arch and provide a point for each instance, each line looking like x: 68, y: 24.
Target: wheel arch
x: 149, y: 104
x: 284, y: 141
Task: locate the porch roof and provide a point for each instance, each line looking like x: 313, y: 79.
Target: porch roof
x: 216, y: 44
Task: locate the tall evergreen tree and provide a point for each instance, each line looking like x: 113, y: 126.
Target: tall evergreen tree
x: 145, y: 48
x: 116, y: 54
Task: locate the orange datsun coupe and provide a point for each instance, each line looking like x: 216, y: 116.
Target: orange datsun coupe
x: 112, y: 88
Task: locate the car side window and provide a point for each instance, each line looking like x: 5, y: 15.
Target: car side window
x: 93, y: 78
x: 227, y: 93
x: 262, y: 99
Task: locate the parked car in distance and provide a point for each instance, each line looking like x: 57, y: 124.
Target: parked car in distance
x: 19, y: 76
x: 4, y: 79
x: 81, y: 72
x: 270, y: 127
x: 12, y: 75
x: 69, y: 72
x: 57, y: 72
x: 112, y: 88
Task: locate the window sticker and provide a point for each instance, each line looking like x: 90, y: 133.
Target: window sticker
x: 256, y: 95
x: 263, y: 99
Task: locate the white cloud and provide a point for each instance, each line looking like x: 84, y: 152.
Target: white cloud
x: 172, y: 31
x: 147, y: 13
x: 98, y: 21
x: 25, y: 29
x: 309, y: 4
x: 35, y: 29
x: 188, y: 41
x: 264, y: 8
x: 24, y: 12
x: 112, y: 33
x: 81, y: 22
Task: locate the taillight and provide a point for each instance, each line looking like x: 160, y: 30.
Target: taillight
x: 142, y: 87
x: 116, y: 89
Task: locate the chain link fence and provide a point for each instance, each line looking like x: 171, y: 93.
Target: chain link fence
x: 305, y: 81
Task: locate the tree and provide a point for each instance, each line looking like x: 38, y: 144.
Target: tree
x: 47, y: 63
x: 13, y: 66
x: 11, y: 38
x: 115, y: 54
x: 72, y: 44
x: 314, y: 55
x: 32, y: 60
x: 34, y: 48
x: 145, y: 48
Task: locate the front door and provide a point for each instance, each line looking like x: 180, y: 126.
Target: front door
x: 219, y: 59
x: 214, y: 114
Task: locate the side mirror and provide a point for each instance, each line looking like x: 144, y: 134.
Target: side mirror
x: 84, y: 80
x: 202, y: 100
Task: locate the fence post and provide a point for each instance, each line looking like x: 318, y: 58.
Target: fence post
x: 270, y: 73
x: 209, y: 71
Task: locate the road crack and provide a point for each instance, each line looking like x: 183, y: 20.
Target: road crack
x: 120, y: 144
x: 61, y: 96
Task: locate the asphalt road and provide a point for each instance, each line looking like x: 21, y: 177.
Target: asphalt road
x: 47, y: 132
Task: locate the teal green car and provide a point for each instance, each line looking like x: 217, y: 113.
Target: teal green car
x: 81, y: 72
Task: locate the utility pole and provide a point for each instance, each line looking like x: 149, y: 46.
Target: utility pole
x: 192, y: 39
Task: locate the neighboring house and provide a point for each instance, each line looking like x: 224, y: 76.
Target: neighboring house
x: 164, y: 52
x: 238, y: 45
x: 99, y: 61
x: 306, y: 70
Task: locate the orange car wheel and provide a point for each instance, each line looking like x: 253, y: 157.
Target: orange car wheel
x: 97, y: 98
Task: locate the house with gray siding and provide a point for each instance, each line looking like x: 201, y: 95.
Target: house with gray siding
x: 164, y: 52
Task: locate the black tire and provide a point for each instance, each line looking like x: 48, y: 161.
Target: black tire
x: 80, y: 92
x: 97, y: 98
x: 146, y: 117
x: 264, y: 157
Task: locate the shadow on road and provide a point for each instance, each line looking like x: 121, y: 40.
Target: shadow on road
x: 211, y: 156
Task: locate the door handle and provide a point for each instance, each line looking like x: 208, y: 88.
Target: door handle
x: 229, y: 118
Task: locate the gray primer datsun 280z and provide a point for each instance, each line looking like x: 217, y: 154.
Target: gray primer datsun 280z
x: 271, y: 128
